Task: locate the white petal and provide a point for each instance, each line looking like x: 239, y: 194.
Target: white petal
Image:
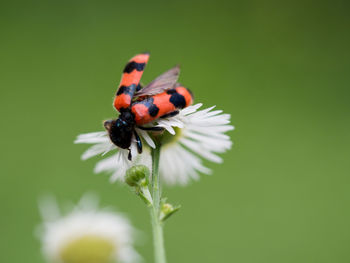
x: 177, y: 165
x: 191, y: 109
x: 110, y: 148
x: 92, y: 137
x: 96, y: 149
x: 200, y: 150
x: 168, y: 128
x: 108, y: 164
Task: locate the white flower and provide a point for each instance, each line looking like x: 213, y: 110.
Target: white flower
x: 191, y: 134
x: 86, y: 234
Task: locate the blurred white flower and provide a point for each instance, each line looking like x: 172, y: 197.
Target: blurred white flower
x: 189, y: 135
x: 86, y: 234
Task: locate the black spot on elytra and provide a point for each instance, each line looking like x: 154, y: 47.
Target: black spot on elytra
x: 133, y: 65
x: 171, y: 91
x: 153, y: 110
x: 178, y: 100
x: 130, y: 90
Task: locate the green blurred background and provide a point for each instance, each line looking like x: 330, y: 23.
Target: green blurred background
x: 280, y: 68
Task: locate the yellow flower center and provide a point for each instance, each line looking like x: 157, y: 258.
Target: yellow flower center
x: 88, y: 249
x: 167, y: 138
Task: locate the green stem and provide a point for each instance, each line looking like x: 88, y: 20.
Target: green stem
x: 159, y: 251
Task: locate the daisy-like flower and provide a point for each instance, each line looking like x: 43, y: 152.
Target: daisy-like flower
x: 86, y: 234
x: 190, y: 137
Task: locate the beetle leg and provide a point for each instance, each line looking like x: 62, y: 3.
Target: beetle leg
x: 138, y: 142
x: 129, y: 155
x: 171, y: 114
x: 151, y: 128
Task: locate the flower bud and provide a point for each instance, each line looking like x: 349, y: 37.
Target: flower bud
x: 137, y: 176
x: 167, y: 210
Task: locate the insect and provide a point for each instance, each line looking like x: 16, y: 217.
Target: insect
x: 138, y: 105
